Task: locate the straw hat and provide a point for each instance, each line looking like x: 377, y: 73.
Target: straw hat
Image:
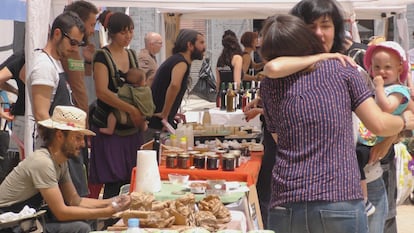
x: 393, y: 47
x: 67, y: 118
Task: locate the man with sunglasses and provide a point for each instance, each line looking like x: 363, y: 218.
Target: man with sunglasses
x: 47, y: 82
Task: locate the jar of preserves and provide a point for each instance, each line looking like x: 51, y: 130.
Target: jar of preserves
x: 237, y: 156
x: 213, y: 162
x: 229, y: 162
x: 199, y: 161
x: 171, y: 161
x: 182, y: 161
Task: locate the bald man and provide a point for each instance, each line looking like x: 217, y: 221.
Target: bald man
x: 146, y: 57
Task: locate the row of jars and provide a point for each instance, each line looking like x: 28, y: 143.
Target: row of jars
x: 227, y: 161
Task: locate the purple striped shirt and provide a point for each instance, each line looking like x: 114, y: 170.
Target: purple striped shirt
x: 311, y: 113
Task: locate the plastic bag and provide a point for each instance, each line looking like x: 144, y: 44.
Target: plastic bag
x: 205, y: 87
x: 405, y: 179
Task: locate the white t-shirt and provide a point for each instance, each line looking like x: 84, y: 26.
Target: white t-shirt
x: 45, y: 71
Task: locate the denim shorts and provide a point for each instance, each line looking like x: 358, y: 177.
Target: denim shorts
x: 319, y: 217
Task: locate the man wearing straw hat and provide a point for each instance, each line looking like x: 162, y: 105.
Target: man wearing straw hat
x: 44, y: 177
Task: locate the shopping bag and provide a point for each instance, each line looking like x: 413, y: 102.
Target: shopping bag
x: 205, y: 87
x: 405, y: 178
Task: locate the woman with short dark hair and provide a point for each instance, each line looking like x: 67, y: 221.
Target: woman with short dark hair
x: 315, y: 180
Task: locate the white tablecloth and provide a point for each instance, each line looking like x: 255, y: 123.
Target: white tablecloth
x: 219, y: 117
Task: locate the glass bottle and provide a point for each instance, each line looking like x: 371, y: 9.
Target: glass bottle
x: 245, y: 98
x: 253, y: 90
x: 206, y: 117
x: 230, y: 97
x: 236, y: 97
x: 223, y: 93
x: 240, y: 96
x: 157, y: 146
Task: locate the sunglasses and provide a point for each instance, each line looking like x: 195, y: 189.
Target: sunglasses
x: 74, y: 42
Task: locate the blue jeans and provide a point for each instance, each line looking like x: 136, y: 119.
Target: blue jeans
x: 319, y: 217
x: 377, y: 195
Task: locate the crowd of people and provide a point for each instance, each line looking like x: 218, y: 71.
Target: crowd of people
x: 331, y: 110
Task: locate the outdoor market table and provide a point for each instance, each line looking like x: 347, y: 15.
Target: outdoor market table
x: 247, y: 172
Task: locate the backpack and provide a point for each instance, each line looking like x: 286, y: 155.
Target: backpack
x: 98, y: 115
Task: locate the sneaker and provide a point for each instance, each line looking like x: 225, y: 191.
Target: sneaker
x: 369, y: 208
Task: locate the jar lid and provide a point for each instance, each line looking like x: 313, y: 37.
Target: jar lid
x: 193, y: 152
x: 212, y: 156
x: 229, y: 156
x: 235, y: 152
x: 209, y: 153
x: 199, y: 155
x: 183, y: 155
x: 171, y: 155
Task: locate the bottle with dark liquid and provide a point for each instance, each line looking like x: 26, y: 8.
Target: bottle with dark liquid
x: 240, y: 95
x: 223, y: 93
x: 253, y: 90
x: 157, y: 146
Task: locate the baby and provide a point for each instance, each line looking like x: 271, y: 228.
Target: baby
x: 387, y: 64
x: 135, y: 92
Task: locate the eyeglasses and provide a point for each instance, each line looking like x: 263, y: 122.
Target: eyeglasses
x: 74, y: 42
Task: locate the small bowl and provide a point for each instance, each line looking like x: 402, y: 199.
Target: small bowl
x: 175, y: 178
x: 198, y: 187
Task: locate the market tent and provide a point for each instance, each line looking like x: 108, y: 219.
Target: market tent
x: 41, y: 12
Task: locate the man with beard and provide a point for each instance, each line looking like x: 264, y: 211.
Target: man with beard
x: 47, y: 82
x: 43, y: 177
x: 172, y: 77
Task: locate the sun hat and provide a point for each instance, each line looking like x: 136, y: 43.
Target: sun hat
x: 393, y: 47
x: 67, y: 118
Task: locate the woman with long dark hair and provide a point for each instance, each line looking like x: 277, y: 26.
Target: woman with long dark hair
x: 229, y: 63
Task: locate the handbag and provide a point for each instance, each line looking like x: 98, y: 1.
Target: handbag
x: 205, y: 87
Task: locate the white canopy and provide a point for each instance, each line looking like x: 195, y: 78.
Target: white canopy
x: 206, y: 9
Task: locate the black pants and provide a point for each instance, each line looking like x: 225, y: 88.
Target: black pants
x: 263, y: 186
x: 362, y: 152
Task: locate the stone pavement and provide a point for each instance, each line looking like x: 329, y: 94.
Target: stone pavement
x: 405, y: 218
